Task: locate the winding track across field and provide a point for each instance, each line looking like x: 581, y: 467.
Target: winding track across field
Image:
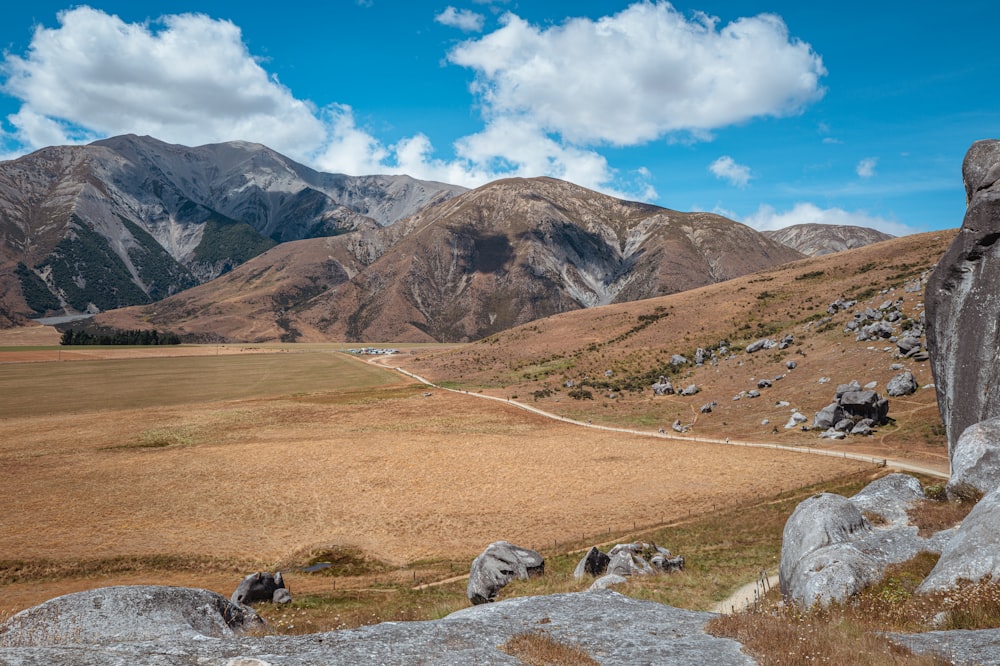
x: 894, y: 464
x: 746, y: 595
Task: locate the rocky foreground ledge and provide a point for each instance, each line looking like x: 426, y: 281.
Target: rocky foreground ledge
x: 169, y: 625
x: 163, y: 625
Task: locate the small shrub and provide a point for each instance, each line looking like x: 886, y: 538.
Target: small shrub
x: 581, y: 394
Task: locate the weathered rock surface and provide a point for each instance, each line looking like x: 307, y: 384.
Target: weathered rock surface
x: 902, y: 384
x: 975, y: 458
x: 830, y: 551
x: 496, y: 566
x: 890, y: 497
x: 128, y: 614
x: 962, y: 648
x: 819, y: 522
x: 973, y: 552
x: 612, y: 628
x: 963, y: 300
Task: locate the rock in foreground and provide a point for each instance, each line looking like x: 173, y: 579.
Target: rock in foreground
x: 963, y: 298
x: 128, y: 614
x: 611, y: 628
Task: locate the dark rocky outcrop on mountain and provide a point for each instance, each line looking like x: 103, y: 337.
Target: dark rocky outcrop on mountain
x: 132, y: 220
x: 963, y: 330
x: 614, y: 629
x: 816, y: 239
x: 504, y: 254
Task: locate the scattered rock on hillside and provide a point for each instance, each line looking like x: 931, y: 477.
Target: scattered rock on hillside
x: 663, y: 387
x: 690, y: 389
x: 128, y: 614
x: 678, y: 359
x: 762, y: 344
x: 961, y: 305
x: 975, y: 459
x: 261, y: 586
x: 791, y: 365
x: 604, y: 582
x: 902, y: 384
x: 499, y: 564
x: 594, y: 563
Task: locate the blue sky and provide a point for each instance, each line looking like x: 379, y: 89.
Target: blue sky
x: 769, y: 112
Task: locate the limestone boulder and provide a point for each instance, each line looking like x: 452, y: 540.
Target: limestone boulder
x: 817, y: 522
x: 962, y: 301
x: 890, y: 497
x: 973, y: 552
x: 975, y: 458
x: 496, y: 566
x: 902, y: 384
x: 128, y: 614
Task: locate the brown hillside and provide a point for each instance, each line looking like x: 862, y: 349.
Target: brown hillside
x: 508, y: 253
x: 635, y: 342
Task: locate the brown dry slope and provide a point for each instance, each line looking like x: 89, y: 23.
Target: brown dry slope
x: 634, y: 342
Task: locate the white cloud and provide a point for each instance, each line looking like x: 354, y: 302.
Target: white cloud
x: 767, y: 218
x: 187, y: 79
x: 465, y: 20
x: 866, y: 167
x: 641, y: 74
x: 549, y: 95
x: 726, y: 168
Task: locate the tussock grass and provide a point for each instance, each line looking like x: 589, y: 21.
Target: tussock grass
x: 538, y: 648
x: 782, y: 635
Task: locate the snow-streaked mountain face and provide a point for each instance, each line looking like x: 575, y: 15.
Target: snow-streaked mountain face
x: 131, y: 219
x: 817, y: 239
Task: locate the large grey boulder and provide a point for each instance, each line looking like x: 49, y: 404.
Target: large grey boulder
x: 963, y: 302
x: 865, y: 405
x: 818, y: 522
x: 902, y: 384
x: 496, y: 566
x: 614, y: 629
x: 830, y: 551
x: 128, y: 614
x: 973, y: 551
x: 261, y: 586
x: 975, y: 458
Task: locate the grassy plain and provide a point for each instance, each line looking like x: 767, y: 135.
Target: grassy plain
x: 194, y: 470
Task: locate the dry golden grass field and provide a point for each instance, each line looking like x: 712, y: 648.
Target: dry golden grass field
x: 195, y: 469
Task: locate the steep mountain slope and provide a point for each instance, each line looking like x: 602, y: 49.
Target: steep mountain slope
x: 504, y: 254
x: 817, y: 239
x: 599, y: 364
x: 132, y: 219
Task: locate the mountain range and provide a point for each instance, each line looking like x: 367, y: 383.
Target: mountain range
x: 131, y: 220
x: 235, y: 241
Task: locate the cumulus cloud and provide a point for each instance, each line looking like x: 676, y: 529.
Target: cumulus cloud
x: 465, y: 20
x: 866, y: 167
x: 726, y: 168
x: 767, y: 218
x: 550, y: 96
x: 641, y: 74
x: 188, y: 78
